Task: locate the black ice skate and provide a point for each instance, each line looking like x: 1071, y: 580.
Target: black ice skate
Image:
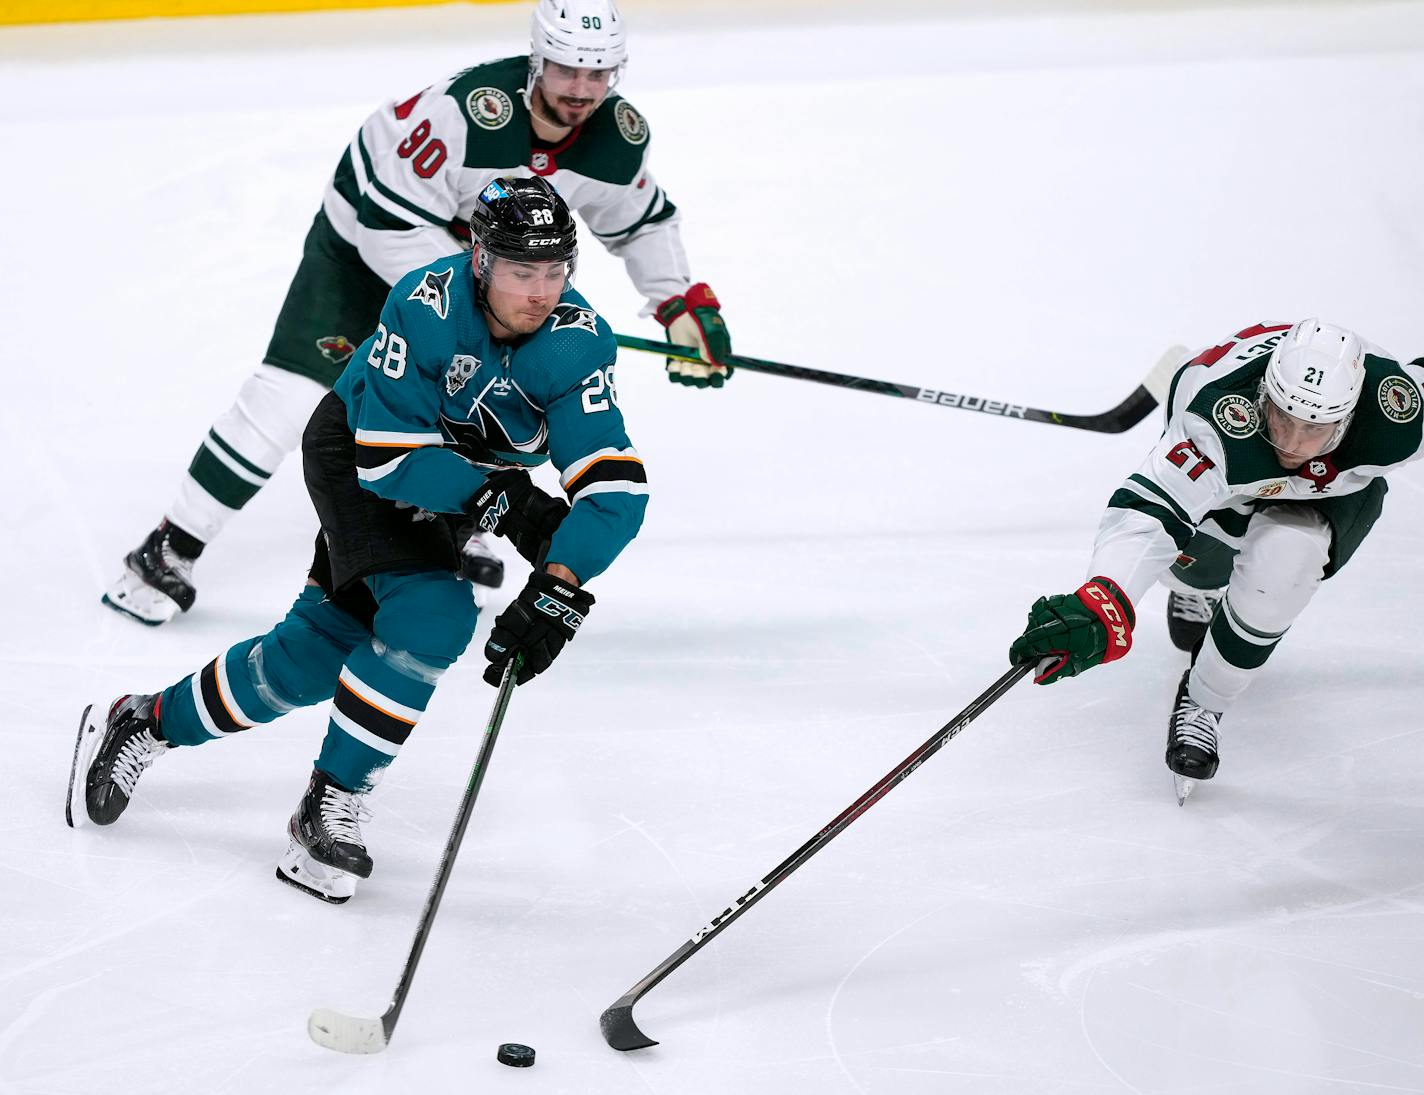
x: 1189, y: 615
x: 110, y: 754
x: 1191, y: 742
x: 327, y: 853
x: 480, y: 564
x: 157, y: 582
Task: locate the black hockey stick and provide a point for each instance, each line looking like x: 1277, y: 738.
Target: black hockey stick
x: 1124, y: 416
x: 354, y: 1034
x: 619, y: 1029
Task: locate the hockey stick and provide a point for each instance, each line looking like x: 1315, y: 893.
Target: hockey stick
x: 619, y: 1029
x: 1124, y: 416
x: 354, y: 1034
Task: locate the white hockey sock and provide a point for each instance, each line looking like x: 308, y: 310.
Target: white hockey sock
x: 1281, y: 565
x: 245, y: 445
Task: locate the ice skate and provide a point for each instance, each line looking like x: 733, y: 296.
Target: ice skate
x: 1189, y: 615
x: 1191, y: 742
x: 114, y: 745
x: 157, y: 582
x: 327, y: 854
x: 480, y: 564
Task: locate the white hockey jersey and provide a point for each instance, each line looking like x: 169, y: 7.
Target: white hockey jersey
x: 405, y: 188
x: 1214, y: 460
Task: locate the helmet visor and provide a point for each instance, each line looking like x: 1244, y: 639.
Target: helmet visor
x: 530, y: 279
x: 1295, y: 439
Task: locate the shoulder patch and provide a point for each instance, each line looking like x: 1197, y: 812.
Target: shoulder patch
x: 462, y: 367
x: 574, y: 316
x: 489, y: 107
x: 630, y: 122
x: 1398, y: 399
x: 434, y: 290
x: 1236, y: 416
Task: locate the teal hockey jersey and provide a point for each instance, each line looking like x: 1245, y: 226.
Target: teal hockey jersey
x: 435, y: 402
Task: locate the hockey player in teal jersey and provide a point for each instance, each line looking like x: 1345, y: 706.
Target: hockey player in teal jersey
x: 1267, y: 478
x: 408, y: 179
x: 483, y: 365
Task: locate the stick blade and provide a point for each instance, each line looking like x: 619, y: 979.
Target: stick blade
x: 1159, y: 381
x: 346, y: 1033
x: 619, y: 1030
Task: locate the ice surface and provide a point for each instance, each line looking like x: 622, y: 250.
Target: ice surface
x: 1023, y: 206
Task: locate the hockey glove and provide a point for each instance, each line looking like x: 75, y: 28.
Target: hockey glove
x: 547, y: 613
x: 510, y: 505
x: 1070, y: 632
x: 694, y: 318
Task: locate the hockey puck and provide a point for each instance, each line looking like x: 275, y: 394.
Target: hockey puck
x: 515, y: 1055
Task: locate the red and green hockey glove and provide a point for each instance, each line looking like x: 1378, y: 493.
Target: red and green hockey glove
x: 1070, y: 632
x: 694, y: 318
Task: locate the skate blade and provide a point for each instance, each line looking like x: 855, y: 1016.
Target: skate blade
x: 1184, y: 788
x: 86, y: 743
x: 346, y: 1033
x: 131, y: 596
x: 297, y: 868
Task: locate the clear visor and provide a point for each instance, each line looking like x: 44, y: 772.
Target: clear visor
x: 566, y: 81
x: 1296, y: 438
x: 530, y: 279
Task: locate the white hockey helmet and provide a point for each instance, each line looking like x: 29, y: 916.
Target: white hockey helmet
x: 577, y: 33
x: 1316, y: 374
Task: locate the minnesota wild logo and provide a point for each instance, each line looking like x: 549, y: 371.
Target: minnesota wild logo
x: 630, y: 122
x: 489, y: 107
x: 1236, y: 416
x: 336, y: 348
x: 1399, y: 399
x: 434, y: 290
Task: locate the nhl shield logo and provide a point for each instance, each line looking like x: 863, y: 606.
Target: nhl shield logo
x: 541, y: 163
x: 1399, y: 399
x: 434, y: 290
x: 1236, y: 416
x: 457, y: 375
x: 489, y: 107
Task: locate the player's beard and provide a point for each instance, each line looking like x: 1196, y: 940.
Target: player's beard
x: 556, y: 112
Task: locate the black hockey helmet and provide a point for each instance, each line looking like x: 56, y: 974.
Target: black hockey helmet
x: 524, y: 220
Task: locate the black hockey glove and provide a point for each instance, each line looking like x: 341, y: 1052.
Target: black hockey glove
x: 547, y: 613
x: 510, y: 505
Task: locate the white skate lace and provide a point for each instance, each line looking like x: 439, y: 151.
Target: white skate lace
x: 180, y: 565
x: 1193, y: 725
x: 342, y: 813
x: 1196, y: 608
x: 133, y: 757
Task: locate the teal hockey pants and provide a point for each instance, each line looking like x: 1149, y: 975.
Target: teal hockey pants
x: 379, y: 679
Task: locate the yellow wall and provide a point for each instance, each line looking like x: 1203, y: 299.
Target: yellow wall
x: 69, y: 11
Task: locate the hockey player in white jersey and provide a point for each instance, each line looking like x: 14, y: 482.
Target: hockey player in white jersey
x: 400, y: 198
x: 1267, y: 478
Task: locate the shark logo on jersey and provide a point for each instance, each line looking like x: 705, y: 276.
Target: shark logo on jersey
x: 434, y: 290
x: 336, y: 348
x: 457, y: 375
x: 571, y: 315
